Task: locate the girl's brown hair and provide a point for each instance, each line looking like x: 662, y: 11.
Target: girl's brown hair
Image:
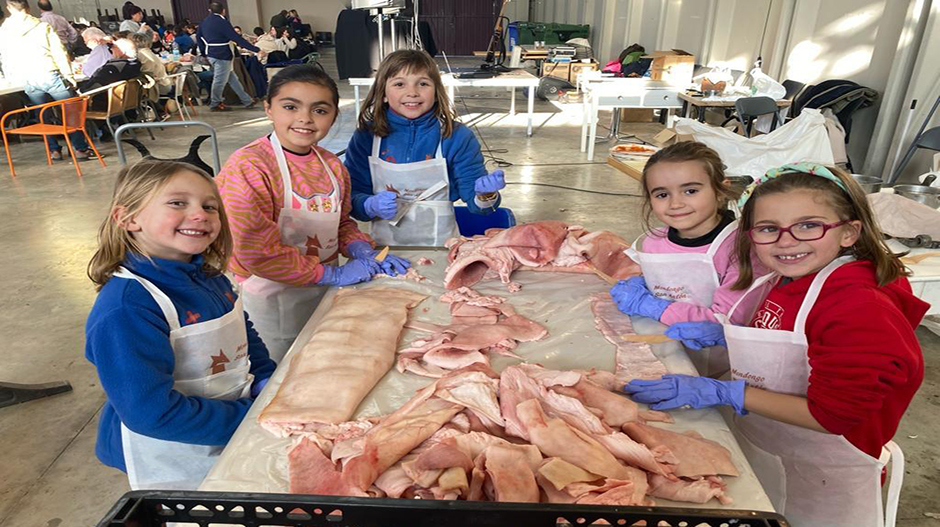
x: 372, y: 116
x: 850, y: 204
x: 136, y: 185
x: 679, y: 153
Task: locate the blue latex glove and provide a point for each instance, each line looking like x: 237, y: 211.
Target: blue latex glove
x: 382, y: 205
x: 674, y: 391
x: 697, y: 335
x: 392, y: 265
x: 633, y: 298
x: 353, y: 272
x: 493, y: 182
x: 258, y: 386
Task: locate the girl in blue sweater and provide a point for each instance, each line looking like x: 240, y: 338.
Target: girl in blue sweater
x: 409, y: 159
x: 177, y: 357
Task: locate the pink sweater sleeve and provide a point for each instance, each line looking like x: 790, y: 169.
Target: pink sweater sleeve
x: 724, y: 297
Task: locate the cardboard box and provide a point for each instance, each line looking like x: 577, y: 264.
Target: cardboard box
x: 578, y: 67
x: 674, y: 66
x: 566, y: 71
x: 669, y: 136
x: 637, y: 115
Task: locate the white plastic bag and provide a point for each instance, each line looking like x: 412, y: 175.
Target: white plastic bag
x: 802, y: 139
x: 762, y: 85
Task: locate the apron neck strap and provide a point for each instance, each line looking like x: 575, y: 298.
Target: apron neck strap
x: 758, y: 284
x: 376, y: 145
x: 163, y: 301
x: 285, y: 170
x: 813, y: 293
x: 729, y: 229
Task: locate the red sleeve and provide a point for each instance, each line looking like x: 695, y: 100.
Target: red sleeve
x: 864, y: 359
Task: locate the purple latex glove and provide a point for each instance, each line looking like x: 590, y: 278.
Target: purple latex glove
x: 492, y: 182
x: 258, y: 386
x: 353, y: 272
x: 697, y: 335
x: 392, y: 265
x: 633, y: 298
x: 382, y: 205
x: 674, y: 391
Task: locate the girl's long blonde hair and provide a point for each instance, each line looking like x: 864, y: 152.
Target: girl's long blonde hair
x: 372, y: 116
x: 849, y: 204
x: 136, y: 185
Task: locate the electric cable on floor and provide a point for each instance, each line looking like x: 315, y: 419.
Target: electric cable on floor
x: 563, y: 187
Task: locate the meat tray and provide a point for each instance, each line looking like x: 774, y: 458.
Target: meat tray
x: 154, y: 508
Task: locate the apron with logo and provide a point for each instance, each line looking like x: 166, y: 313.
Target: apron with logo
x: 211, y: 360
x: 687, y: 277
x: 812, y: 478
x: 429, y: 222
x: 279, y: 311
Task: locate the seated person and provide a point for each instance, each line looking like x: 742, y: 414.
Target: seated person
x: 151, y: 64
x: 184, y: 39
x: 277, y: 39
x: 124, y: 66
x: 100, y: 46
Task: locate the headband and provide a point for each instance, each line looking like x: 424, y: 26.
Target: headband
x: 791, y: 168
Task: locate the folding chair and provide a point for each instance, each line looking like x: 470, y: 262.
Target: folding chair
x: 750, y: 108
x: 122, y: 97
x: 929, y: 140
x: 73, y: 112
x: 178, y: 81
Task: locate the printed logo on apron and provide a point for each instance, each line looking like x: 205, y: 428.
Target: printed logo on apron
x: 279, y: 311
x: 812, y: 478
x: 199, y: 370
x: 429, y: 222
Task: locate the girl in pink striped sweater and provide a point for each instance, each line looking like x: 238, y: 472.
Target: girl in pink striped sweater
x: 289, y: 202
x: 688, y: 266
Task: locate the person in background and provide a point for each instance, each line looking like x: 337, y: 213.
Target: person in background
x: 294, y: 23
x: 66, y: 32
x: 826, y: 366
x: 277, y: 39
x: 151, y: 64
x: 213, y: 37
x: 100, y: 46
x: 135, y: 23
x: 289, y: 201
x: 238, y: 30
x: 156, y: 44
x: 184, y: 39
x: 169, y: 34
x: 257, y: 33
x: 688, y: 266
x: 178, y: 359
x: 408, y: 141
x: 280, y: 19
x: 33, y: 55
x: 122, y: 67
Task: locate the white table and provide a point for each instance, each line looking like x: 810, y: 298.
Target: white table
x: 517, y: 78
x: 7, y: 87
x: 618, y: 92
x: 256, y: 461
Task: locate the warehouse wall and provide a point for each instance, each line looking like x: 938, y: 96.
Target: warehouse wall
x: 74, y: 9
x: 245, y: 13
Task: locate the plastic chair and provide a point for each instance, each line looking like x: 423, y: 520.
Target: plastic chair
x: 73, y: 112
x: 178, y: 81
x: 750, y: 108
x: 122, y: 97
x: 793, y: 88
x: 892, y: 452
x: 470, y: 224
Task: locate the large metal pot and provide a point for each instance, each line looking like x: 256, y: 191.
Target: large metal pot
x: 870, y: 184
x: 929, y: 196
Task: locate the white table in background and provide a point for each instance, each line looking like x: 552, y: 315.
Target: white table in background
x: 7, y: 87
x: 517, y: 78
x: 618, y: 92
x: 256, y: 461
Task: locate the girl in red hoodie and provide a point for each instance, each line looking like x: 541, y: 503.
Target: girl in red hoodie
x: 829, y: 362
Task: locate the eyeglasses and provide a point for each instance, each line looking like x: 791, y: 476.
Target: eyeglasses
x: 804, y: 231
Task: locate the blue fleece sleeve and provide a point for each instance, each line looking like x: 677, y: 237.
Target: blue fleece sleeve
x: 130, y: 347
x: 262, y: 365
x: 465, y: 165
x: 357, y: 163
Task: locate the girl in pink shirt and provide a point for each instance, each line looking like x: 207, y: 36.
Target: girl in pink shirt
x: 688, y: 265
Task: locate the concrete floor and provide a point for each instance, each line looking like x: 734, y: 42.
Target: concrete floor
x: 48, y: 225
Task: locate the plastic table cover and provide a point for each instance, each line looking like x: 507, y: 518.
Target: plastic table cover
x: 256, y: 461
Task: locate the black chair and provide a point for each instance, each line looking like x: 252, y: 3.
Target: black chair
x: 929, y: 140
x: 750, y: 108
x: 793, y: 88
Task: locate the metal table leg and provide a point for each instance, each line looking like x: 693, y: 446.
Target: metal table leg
x: 531, y: 109
x: 13, y: 393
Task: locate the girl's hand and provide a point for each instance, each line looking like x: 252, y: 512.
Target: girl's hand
x: 675, y: 391
x: 382, y: 205
x: 697, y: 335
x: 392, y: 265
x: 490, y: 183
x: 353, y: 272
x: 633, y: 298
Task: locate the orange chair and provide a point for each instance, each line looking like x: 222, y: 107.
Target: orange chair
x: 73, y: 120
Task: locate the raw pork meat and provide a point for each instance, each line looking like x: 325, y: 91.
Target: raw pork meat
x: 311, y: 472
x: 634, y: 360
x: 696, y: 455
x: 542, y: 245
x: 341, y: 362
x: 698, y: 491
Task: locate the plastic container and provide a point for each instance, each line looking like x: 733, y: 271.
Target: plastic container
x: 513, y: 34
x: 470, y: 224
x: 153, y: 508
x: 869, y: 184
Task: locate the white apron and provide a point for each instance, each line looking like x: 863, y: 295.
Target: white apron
x: 687, y: 277
x: 279, y: 311
x: 812, y: 478
x: 428, y: 223
x: 211, y: 360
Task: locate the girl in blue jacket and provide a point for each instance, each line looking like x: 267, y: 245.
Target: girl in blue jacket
x: 409, y: 159
x: 177, y: 357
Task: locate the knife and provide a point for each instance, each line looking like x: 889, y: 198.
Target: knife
x: 405, y: 207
